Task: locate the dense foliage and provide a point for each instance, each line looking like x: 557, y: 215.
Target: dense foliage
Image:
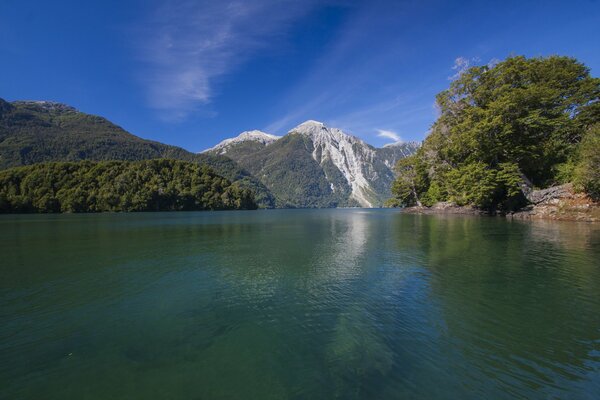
x: 503, y: 127
x: 586, y: 173
x: 151, y: 185
x: 37, y: 132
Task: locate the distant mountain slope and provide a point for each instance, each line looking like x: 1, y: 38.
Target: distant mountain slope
x: 40, y: 131
x: 317, y: 166
x: 249, y: 137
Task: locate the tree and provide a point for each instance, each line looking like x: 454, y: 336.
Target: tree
x: 519, y: 122
x: 405, y: 186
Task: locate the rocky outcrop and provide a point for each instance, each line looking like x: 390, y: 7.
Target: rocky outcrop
x: 559, y: 203
x: 549, y: 194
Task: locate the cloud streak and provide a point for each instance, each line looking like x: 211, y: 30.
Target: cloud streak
x: 389, y: 135
x: 355, y: 84
x: 461, y: 65
x: 186, y: 45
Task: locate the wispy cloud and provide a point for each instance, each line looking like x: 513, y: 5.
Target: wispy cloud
x: 389, y: 135
x: 186, y: 45
x: 461, y: 65
x: 355, y: 84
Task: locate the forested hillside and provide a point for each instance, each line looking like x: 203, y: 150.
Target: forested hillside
x: 151, y: 185
x: 40, y: 131
x: 505, y: 129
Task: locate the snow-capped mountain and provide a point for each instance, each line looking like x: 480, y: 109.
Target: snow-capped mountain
x: 355, y: 159
x: 247, y: 136
x: 317, y: 166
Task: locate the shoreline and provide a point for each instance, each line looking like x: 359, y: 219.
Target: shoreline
x: 575, y: 207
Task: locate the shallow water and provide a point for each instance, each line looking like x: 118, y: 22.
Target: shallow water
x: 297, y: 304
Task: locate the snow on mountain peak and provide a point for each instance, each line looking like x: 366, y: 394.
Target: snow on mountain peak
x: 257, y: 136
x: 321, y: 132
x: 309, y: 127
x: 246, y: 136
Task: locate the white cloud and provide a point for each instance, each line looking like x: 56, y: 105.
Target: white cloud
x: 389, y: 135
x: 493, y: 62
x: 461, y: 65
x: 186, y: 45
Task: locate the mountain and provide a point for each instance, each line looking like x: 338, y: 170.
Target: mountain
x: 42, y: 131
x: 317, y: 166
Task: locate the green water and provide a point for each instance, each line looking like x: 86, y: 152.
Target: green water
x: 297, y: 304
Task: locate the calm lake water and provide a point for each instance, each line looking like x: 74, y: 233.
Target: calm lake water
x: 297, y: 304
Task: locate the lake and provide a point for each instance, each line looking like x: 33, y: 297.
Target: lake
x: 297, y: 304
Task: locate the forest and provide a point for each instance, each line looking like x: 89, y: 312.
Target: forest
x: 119, y: 186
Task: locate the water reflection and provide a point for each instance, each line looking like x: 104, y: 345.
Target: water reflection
x: 520, y: 300
x: 297, y: 304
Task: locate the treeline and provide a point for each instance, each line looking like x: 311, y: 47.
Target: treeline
x: 150, y: 185
x: 504, y: 129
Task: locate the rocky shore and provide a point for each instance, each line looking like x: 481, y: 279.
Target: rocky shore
x: 445, y: 207
x: 559, y: 203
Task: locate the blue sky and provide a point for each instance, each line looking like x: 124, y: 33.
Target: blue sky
x: 191, y: 73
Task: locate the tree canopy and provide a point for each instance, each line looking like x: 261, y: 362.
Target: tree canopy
x: 150, y: 185
x: 501, y: 127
